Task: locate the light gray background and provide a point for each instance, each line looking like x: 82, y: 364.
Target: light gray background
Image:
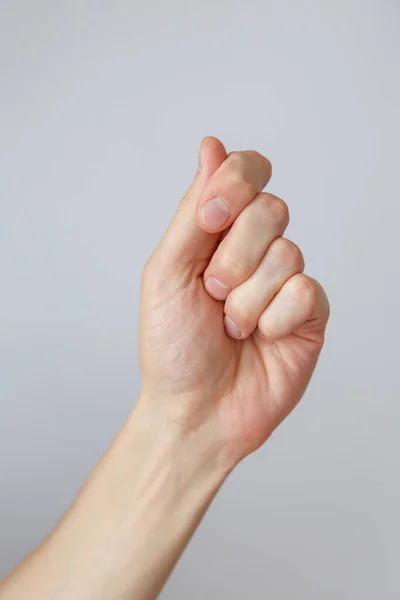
x: 103, y: 105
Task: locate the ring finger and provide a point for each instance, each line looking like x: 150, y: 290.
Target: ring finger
x: 246, y: 302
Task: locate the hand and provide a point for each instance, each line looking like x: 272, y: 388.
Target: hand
x: 221, y: 366
x: 231, y: 328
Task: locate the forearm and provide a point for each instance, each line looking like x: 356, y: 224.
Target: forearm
x: 230, y: 332
x: 132, y: 520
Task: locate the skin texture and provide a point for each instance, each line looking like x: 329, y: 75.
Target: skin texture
x: 230, y: 333
x: 241, y: 385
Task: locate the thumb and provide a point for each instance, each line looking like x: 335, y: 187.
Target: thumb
x: 184, y: 243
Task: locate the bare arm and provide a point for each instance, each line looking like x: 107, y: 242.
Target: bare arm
x: 131, y: 521
x: 230, y: 333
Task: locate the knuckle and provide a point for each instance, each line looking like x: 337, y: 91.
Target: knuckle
x: 278, y: 210
x: 239, y: 314
x: 238, y: 176
x: 235, y: 155
x: 266, y: 163
x: 236, y: 163
x: 303, y: 289
x: 235, y: 268
x: 287, y: 252
x: 264, y: 324
x: 239, y: 173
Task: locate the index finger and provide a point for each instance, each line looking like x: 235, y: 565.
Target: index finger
x: 232, y: 187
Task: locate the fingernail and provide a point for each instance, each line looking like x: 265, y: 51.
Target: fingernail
x: 215, y: 213
x: 218, y: 290
x: 232, y: 328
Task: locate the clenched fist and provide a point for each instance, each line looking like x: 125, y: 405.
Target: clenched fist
x: 230, y: 332
x: 231, y: 328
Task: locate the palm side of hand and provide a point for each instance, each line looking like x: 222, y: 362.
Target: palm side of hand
x: 187, y: 355
x: 189, y: 360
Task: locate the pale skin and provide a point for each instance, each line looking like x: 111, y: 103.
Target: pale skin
x: 230, y: 333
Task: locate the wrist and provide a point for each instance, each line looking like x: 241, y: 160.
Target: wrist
x: 197, y: 449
